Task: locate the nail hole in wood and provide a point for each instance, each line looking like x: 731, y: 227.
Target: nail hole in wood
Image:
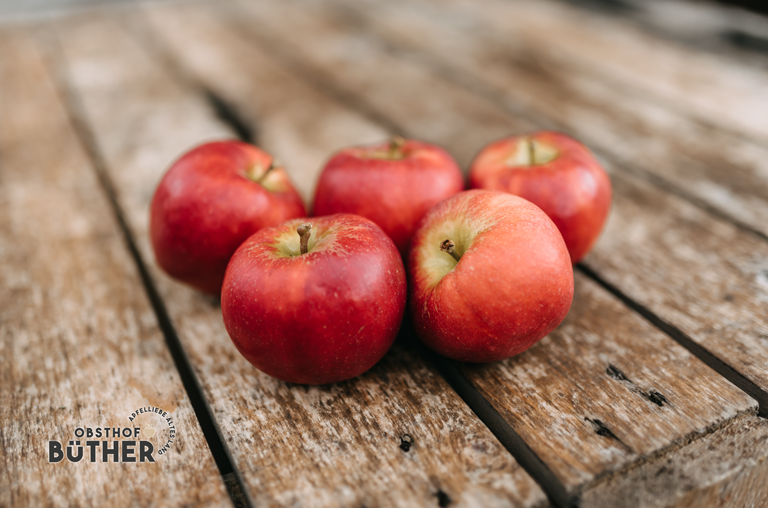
x: 406, y: 441
x: 657, y: 398
x: 652, y: 395
x: 443, y: 499
x: 600, y: 429
x: 615, y: 373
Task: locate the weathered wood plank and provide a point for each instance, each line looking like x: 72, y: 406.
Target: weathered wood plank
x: 727, y: 468
x: 244, y: 84
x: 699, y: 273
x: 526, y: 72
x: 716, y: 89
x: 568, y: 370
x: 79, y: 343
x: 310, y: 446
x: 725, y: 28
x: 624, y: 393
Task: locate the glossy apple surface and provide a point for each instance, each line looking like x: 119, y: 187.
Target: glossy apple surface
x: 555, y: 172
x: 512, y: 283
x: 320, y: 317
x: 393, y: 184
x: 207, y: 204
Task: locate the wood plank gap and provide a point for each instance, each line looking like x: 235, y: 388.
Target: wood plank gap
x: 227, y: 113
x: 675, y: 333
x: 74, y: 109
x: 553, y: 488
x: 287, y: 59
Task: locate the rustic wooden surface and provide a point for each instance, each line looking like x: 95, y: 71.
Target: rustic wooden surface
x: 724, y: 170
x: 311, y: 446
x: 80, y: 343
x: 616, y: 410
x: 607, y: 409
x: 665, y: 263
x: 724, y: 468
x: 385, y: 79
x: 596, y: 80
x: 576, y: 453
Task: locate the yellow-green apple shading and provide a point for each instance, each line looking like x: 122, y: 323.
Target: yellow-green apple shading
x: 315, y: 301
x: 393, y: 184
x: 490, y: 275
x: 556, y: 173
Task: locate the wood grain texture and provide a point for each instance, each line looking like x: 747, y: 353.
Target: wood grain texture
x: 623, y: 393
x: 431, y: 103
x: 339, y: 445
x: 522, y: 68
x: 702, y: 274
x: 79, y: 342
x: 568, y: 370
x: 698, y: 272
x: 727, y: 468
x: 283, y: 112
x: 716, y: 89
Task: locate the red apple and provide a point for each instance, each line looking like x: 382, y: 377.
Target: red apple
x: 212, y: 199
x: 315, y: 302
x: 555, y: 172
x: 393, y: 184
x: 490, y: 276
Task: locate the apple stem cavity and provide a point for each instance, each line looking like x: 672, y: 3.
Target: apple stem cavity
x: 528, y: 153
x: 450, y: 247
x: 395, y: 147
x: 255, y: 174
x: 304, y: 231
x: 531, y: 152
x: 272, y: 166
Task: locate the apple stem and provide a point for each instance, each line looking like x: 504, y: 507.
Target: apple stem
x: 531, y: 152
x: 395, y: 145
x: 304, y: 231
x: 272, y: 166
x: 450, y: 247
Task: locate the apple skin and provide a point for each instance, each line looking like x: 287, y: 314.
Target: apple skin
x: 572, y: 188
x: 393, y: 184
x: 512, y: 285
x: 320, y: 317
x: 208, y: 203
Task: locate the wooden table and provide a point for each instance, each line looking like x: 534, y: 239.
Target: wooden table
x: 653, y: 392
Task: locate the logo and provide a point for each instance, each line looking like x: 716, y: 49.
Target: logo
x: 138, y: 442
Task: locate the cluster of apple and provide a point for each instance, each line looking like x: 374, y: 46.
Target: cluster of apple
x: 320, y: 300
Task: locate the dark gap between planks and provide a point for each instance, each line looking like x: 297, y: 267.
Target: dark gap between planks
x: 75, y: 111
x: 230, y: 116
x: 715, y: 363
x: 509, y: 438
